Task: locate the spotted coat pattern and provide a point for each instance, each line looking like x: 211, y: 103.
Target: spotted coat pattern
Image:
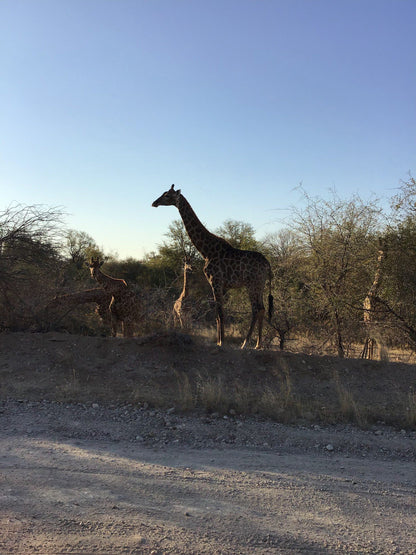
x: 124, y: 305
x: 225, y: 266
x: 370, y: 304
x: 182, y: 306
x: 98, y: 296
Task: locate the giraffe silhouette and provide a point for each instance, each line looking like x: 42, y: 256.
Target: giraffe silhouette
x: 124, y: 305
x: 225, y: 266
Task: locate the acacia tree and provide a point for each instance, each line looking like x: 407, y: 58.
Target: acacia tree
x: 398, y: 293
x: 339, y: 239
x: 176, y: 247
x: 30, y: 238
x: 291, y: 304
x: 80, y: 247
x: 403, y: 204
x: 397, y: 298
x: 240, y: 235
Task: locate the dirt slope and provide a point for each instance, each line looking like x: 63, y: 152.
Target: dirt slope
x: 166, y: 370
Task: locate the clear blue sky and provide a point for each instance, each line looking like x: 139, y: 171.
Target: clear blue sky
x: 105, y: 103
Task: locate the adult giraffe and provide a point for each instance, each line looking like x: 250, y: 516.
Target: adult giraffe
x: 225, y: 266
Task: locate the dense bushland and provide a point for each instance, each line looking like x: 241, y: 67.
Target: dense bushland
x: 325, y: 264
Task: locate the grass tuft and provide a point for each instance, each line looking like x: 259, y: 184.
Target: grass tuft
x: 186, y: 398
x: 349, y: 409
x: 212, y: 394
x: 411, y: 409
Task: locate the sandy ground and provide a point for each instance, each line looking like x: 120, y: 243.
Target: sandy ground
x: 67, y: 487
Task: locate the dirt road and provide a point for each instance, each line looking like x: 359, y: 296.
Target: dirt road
x: 82, y: 480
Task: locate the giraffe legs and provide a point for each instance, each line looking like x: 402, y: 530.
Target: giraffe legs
x: 260, y: 318
x: 218, y: 298
x: 113, y: 327
x: 220, y: 323
x: 113, y: 318
x: 177, y: 318
x: 256, y: 316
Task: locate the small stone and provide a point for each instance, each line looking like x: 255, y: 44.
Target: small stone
x: 329, y: 447
x: 95, y: 405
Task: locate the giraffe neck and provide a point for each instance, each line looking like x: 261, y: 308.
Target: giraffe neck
x: 109, y: 283
x: 377, y: 276
x: 185, y: 289
x: 80, y: 297
x: 203, y: 240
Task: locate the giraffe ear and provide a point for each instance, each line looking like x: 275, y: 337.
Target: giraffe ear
x: 178, y: 191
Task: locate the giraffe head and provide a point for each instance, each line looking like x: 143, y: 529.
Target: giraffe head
x: 187, y: 264
x: 94, y: 265
x: 170, y: 198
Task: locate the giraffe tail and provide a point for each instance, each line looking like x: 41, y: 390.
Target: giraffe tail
x: 270, y: 298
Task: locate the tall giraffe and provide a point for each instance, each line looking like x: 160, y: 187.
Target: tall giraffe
x: 370, y: 304
x: 182, y: 306
x: 124, y: 305
x: 98, y: 296
x: 225, y: 266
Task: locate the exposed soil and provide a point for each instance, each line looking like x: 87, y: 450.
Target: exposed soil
x: 97, y: 455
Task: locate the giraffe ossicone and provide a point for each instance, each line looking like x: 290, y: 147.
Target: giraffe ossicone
x: 225, y: 266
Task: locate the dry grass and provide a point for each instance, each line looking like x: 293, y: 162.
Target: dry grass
x: 349, y: 409
x: 185, y: 395
x: 217, y: 394
x: 279, y: 401
x: 175, y: 370
x: 212, y: 395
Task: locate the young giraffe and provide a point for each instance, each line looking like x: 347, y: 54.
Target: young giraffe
x: 182, y: 307
x: 124, y: 303
x: 370, y: 305
x: 225, y: 266
x: 101, y: 298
